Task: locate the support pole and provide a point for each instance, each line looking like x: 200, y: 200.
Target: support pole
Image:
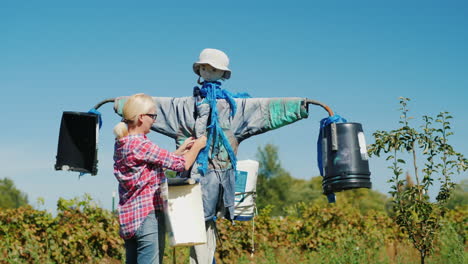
x: 328, y: 109
x: 110, y: 100
x: 307, y: 101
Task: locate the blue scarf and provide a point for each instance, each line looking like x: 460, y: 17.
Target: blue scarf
x: 212, y: 91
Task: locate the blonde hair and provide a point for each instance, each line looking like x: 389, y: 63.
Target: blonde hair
x: 137, y: 104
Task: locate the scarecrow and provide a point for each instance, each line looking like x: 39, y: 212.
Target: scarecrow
x: 227, y: 120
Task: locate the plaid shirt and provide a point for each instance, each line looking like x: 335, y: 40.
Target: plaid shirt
x: 138, y: 166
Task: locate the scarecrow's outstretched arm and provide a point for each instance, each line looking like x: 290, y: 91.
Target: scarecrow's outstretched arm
x: 259, y: 115
x: 176, y: 116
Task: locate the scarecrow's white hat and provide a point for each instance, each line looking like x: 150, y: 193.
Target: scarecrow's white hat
x: 216, y: 59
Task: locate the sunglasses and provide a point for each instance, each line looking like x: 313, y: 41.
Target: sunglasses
x: 153, y: 116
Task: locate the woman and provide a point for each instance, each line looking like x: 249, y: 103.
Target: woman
x: 139, y: 167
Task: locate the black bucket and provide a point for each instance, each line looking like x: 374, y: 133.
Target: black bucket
x: 77, y: 145
x: 344, y: 158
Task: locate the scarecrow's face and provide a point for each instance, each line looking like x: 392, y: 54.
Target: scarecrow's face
x: 208, y: 73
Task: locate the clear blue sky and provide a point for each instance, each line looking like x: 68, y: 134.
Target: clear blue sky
x: 356, y: 56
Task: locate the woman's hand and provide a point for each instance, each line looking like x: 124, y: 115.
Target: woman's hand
x: 188, y: 143
x: 191, y: 154
x: 200, y: 142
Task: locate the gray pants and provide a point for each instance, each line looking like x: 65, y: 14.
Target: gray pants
x: 204, y: 254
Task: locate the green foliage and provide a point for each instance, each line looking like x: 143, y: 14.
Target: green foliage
x: 414, y: 212
x: 452, y: 249
x: 80, y: 233
x: 170, y: 174
x: 330, y: 233
x: 307, y: 233
x: 459, y: 197
x: 10, y: 196
x: 275, y: 186
x: 364, y: 200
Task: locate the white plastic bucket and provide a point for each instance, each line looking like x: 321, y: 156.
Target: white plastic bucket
x: 245, y: 190
x: 186, y: 222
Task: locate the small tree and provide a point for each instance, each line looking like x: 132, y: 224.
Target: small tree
x: 414, y: 212
x: 10, y: 196
x: 276, y: 186
x: 273, y: 182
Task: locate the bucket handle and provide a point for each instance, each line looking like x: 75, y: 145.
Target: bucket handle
x: 334, y: 137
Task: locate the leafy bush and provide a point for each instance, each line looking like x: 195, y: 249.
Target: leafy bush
x: 80, y: 233
x: 308, y: 233
x: 309, y: 228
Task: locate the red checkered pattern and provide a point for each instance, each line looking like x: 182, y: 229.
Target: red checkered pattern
x: 138, y: 166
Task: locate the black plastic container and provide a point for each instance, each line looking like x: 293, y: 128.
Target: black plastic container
x: 77, y: 145
x: 344, y: 158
